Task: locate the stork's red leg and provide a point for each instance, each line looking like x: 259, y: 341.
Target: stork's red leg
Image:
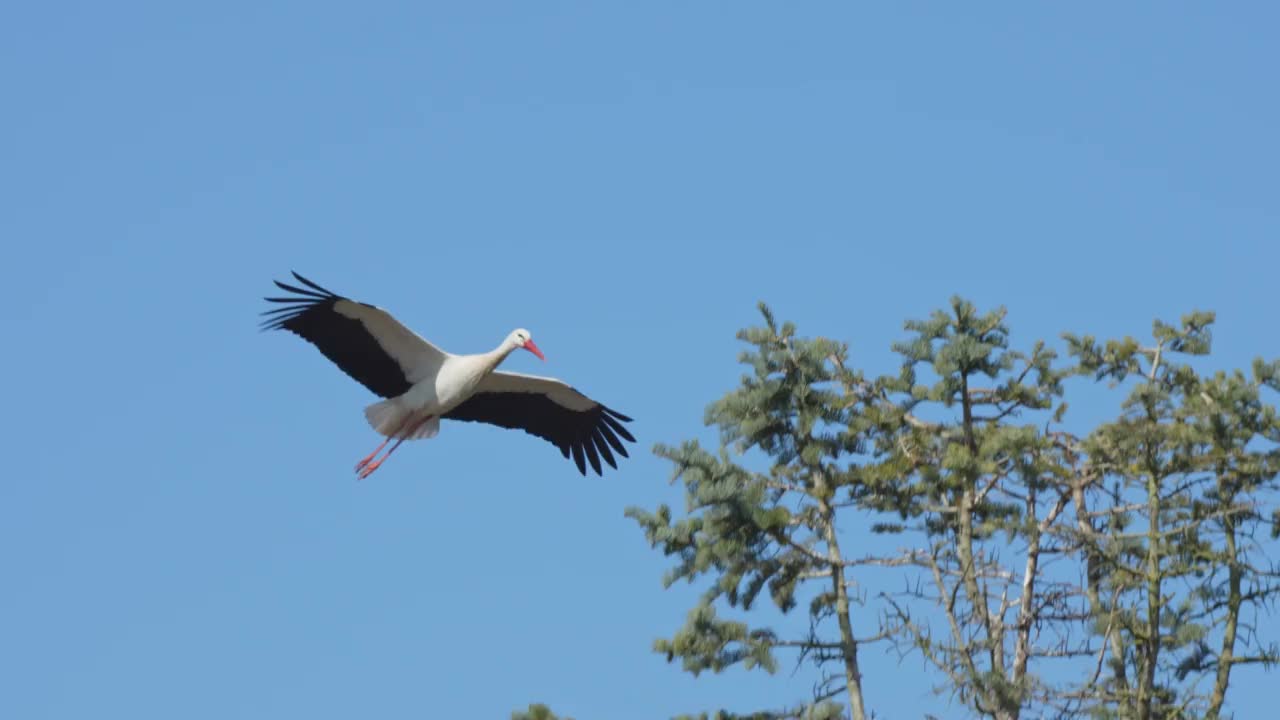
x: 368, y: 469
x: 369, y: 458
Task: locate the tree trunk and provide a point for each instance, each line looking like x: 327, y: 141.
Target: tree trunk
x: 1234, y: 600
x: 1151, y: 643
x: 848, y: 642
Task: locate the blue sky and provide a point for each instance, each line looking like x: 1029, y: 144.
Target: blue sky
x: 181, y: 533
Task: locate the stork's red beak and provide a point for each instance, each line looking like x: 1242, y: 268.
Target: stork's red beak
x: 531, y: 347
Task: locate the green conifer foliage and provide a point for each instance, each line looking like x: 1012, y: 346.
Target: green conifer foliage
x: 1191, y: 465
x: 757, y: 532
x: 1043, y: 573
x: 1118, y: 571
x: 537, y: 711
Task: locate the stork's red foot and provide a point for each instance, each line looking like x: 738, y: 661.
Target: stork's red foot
x: 367, y: 459
x: 369, y: 468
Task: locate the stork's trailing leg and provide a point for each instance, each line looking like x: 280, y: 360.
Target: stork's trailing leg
x: 366, y: 468
x: 369, y: 458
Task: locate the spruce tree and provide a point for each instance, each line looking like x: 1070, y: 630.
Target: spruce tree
x: 984, y: 484
x: 1118, y: 572
x: 1192, y: 466
x: 772, y: 531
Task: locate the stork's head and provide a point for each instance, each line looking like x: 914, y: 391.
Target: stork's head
x: 522, y: 339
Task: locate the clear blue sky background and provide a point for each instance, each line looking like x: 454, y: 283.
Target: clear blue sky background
x: 180, y: 532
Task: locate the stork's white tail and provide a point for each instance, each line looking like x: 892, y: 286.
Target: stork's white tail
x: 384, y: 417
x: 387, y: 417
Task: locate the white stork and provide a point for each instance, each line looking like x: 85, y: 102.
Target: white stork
x: 422, y: 383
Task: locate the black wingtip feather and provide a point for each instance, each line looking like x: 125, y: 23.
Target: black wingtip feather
x: 616, y: 414
x: 590, y: 448
x: 279, y: 311
x: 617, y: 427
x: 612, y: 439
x: 305, y: 293
x: 603, y: 448
x: 312, y: 285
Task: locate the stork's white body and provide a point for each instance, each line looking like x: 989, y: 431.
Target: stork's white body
x: 454, y: 382
x: 447, y: 381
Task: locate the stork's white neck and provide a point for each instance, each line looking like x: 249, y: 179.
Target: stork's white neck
x: 494, y: 357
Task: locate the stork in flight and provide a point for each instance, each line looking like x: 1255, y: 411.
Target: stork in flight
x: 422, y: 384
